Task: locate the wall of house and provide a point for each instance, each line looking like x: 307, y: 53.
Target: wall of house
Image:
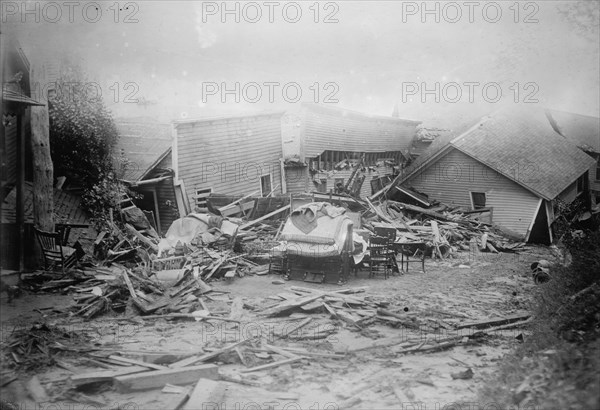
x: 297, y: 180
x: 569, y: 194
x: 165, y: 193
x: 229, y: 155
x: 9, y: 154
x: 595, y: 183
x: 326, y: 129
x: 451, y: 179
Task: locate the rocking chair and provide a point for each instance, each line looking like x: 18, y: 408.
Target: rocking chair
x: 56, y: 254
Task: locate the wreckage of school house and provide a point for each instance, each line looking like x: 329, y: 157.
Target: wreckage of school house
x: 143, y: 160
x: 322, y: 146
x: 513, y: 163
x: 235, y: 155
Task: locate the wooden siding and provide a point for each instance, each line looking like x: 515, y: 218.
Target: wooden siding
x: 569, y: 194
x: 167, y: 204
x: 297, y: 180
x: 10, y: 153
x: 325, y: 130
x: 452, y: 177
x: 229, y: 155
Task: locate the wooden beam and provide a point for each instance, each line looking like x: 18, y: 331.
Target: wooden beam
x: 271, y: 365
x: 158, y: 378
x: 141, y: 237
x: 237, y: 201
x: 262, y: 218
x: 104, y: 375
x: 207, y: 394
x: 196, y: 359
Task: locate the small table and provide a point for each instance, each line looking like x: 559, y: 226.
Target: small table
x: 411, y: 248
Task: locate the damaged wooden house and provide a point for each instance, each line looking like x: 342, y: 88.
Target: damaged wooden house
x: 232, y: 157
x: 584, y: 132
x: 143, y: 161
x: 330, y: 149
x: 512, y: 164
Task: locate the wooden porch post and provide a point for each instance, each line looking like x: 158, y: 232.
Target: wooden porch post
x: 20, y: 187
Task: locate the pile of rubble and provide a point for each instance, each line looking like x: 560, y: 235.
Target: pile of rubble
x: 445, y: 232
x: 134, y: 266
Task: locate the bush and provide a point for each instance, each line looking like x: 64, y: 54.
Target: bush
x: 558, y: 365
x: 82, y: 131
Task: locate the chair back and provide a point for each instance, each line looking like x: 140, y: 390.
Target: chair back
x: 50, y: 243
x: 386, y: 232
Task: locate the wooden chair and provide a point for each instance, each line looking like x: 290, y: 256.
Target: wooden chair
x: 56, y: 255
x: 416, y: 250
x: 390, y: 234
x: 379, y: 256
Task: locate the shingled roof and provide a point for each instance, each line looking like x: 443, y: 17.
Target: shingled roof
x: 581, y: 130
x: 520, y: 144
x: 67, y: 207
x: 143, y: 142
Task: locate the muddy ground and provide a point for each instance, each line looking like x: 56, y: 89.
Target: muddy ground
x: 466, y: 288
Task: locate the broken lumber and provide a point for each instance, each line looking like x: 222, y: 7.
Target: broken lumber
x: 274, y: 364
x: 401, y: 319
x: 158, y: 378
x: 104, y: 375
x: 196, y: 359
x: 206, y: 394
x: 141, y: 237
x: 295, y: 327
x: 262, y: 218
x: 494, y: 322
x: 137, y: 362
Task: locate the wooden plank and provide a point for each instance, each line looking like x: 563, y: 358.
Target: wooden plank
x: 207, y: 394
x: 281, y: 351
x: 294, y: 328
x: 141, y: 237
x: 232, y: 204
x: 158, y: 378
x: 196, y: 359
x: 237, y: 308
x: 271, y: 365
x: 262, y: 218
x: 436, y: 231
x: 494, y: 322
x: 137, y: 362
x: 104, y: 375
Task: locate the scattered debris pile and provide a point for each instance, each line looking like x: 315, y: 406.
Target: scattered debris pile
x: 38, y: 346
x: 445, y: 231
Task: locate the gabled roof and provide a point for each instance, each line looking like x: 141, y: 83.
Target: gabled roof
x: 519, y: 144
x: 144, y: 143
x: 229, y: 117
x: 67, y: 209
x: 581, y: 130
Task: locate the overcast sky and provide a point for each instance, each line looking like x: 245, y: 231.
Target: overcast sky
x: 361, y: 55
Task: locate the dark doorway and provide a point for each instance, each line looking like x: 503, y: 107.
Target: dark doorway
x: 540, y: 232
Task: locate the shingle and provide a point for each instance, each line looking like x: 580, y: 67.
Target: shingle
x: 581, y: 130
x: 521, y: 144
x: 143, y: 142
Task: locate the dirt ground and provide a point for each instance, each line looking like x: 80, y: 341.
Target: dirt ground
x: 467, y: 289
